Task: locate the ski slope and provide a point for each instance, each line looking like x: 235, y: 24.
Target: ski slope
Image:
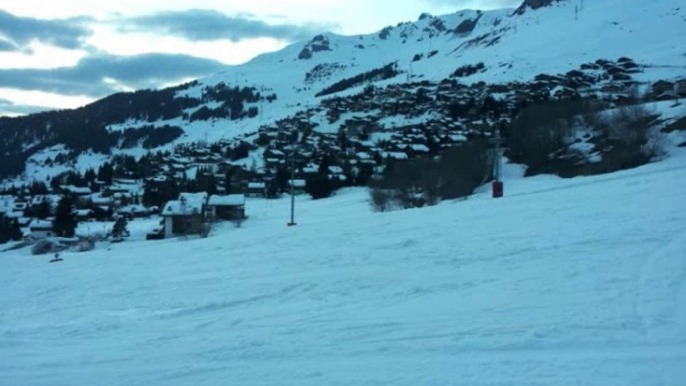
x: 562, y: 282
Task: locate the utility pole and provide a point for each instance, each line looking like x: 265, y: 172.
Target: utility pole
x: 498, y: 141
x: 293, y: 147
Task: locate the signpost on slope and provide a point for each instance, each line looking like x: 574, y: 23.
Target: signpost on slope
x: 497, y: 140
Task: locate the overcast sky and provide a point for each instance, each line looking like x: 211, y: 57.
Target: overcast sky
x: 66, y: 53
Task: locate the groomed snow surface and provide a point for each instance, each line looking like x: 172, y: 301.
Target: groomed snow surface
x: 562, y: 282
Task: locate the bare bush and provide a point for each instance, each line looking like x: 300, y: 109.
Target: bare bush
x: 425, y: 181
x: 381, y: 199
x: 630, y: 125
x: 46, y: 246
x: 628, y: 138
x: 85, y: 245
x: 541, y: 130
x: 462, y: 169
x: 630, y: 133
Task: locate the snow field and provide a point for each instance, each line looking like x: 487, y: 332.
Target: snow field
x: 562, y: 282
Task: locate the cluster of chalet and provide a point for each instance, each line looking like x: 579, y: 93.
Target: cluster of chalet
x: 363, y: 135
x: 192, y: 212
x: 665, y: 90
x: 35, y: 213
x: 340, y: 138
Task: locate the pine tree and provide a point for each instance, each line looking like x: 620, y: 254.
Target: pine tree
x: 9, y: 230
x: 105, y: 173
x: 281, y: 179
x: 65, y: 221
x: 319, y: 187
x: 43, y: 210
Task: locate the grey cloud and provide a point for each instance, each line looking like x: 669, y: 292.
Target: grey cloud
x: 10, y: 108
x: 87, y: 77
x: 208, y: 25
x: 6, y: 46
x: 19, y: 31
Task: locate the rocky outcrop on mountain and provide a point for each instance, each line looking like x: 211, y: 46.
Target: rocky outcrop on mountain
x: 534, y: 4
x: 318, y: 44
x: 467, y: 26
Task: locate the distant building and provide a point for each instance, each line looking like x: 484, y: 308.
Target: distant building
x: 256, y: 189
x: 84, y: 214
x: 76, y: 191
x: 185, y: 216
x: 41, y: 229
x: 681, y: 88
x: 231, y: 207
x: 6, y: 204
x: 134, y: 211
x: 297, y: 185
x: 660, y: 87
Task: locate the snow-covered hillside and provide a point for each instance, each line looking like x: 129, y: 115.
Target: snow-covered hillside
x: 563, y: 282
x: 550, y: 40
x: 510, y: 48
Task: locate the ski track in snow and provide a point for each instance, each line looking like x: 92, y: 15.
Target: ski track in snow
x: 562, y: 282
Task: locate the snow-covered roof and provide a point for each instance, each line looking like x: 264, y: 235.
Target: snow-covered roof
x: 419, y: 148
x: 178, y: 208
x: 125, y: 181
x: 77, y: 190
x: 194, y: 197
x: 99, y: 200
x: 458, y: 138
x: 19, y: 206
x: 6, y: 203
x: 339, y: 177
x: 256, y: 185
x: 122, y: 188
x: 24, y: 221
x: 395, y: 155
x: 41, y: 225
x: 230, y: 200
x: 336, y: 169
x: 310, y: 169
x: 37, y: 200
x: 133, y: 209
x: 187, y: 204
x: 14, y: 214
x: 297, y: 183
x: 181, y: 160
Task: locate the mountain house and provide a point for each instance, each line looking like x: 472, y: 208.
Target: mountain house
x: 41, y: 229
x: 231, y: 207
x: 185, y: 216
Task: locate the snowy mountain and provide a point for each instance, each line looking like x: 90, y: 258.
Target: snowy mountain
x: 496, y: 47
x: 564, y: 281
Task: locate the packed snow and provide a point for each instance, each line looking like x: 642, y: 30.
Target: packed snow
x: 562, y: 282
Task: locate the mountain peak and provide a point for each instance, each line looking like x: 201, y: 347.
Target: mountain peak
x: 534, y: 4
x: 425, y: 15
